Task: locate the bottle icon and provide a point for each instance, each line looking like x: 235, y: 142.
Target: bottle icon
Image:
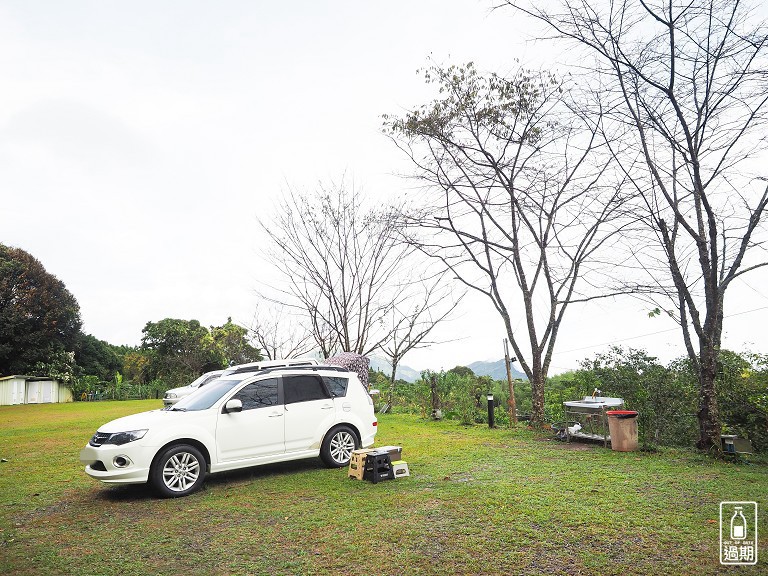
x: 738, y: 525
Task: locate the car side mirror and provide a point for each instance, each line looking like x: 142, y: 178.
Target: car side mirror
x: 234, y: 405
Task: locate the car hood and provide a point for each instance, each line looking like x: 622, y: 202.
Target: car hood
x: 179, y: 389
x: 145, y: 420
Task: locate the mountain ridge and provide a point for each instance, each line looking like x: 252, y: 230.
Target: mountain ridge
x: 495, y: 370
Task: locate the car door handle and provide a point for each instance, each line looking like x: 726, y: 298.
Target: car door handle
x: 276, y: 415
x: 327, y: 407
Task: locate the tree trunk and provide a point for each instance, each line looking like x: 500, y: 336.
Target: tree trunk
x: 537, y: 398
x: 435, y: 398
x: 391, y: 395
x: 512, y: 405
x: 709, y: 418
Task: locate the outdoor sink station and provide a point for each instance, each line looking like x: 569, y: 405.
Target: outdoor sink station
x: 590, y: 415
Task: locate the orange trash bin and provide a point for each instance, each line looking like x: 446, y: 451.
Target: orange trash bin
x: 622, y: 426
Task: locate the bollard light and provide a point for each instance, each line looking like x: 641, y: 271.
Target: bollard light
x: 490, y: 411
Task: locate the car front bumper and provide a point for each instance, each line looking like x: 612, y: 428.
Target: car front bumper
x: 104, y: 463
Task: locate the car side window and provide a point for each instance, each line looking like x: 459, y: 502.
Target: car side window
x: 303, y: 388
x: 336, y: 385
x: 259, y: 394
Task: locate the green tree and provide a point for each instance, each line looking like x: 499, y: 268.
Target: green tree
x: 59, y: 365
x: 232, y: 341
x: 136, y: 365
x: 39, y: 317
x: 179, y: 350
x: 461, y: 371
x: 96, y: 357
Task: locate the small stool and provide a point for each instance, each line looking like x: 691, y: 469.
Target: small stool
x: 378, y: 466
x: 400, y: 468
x: 357, y: 464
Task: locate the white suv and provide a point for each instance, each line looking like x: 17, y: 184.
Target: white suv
x: 242, y: 419
x: 175, y: 394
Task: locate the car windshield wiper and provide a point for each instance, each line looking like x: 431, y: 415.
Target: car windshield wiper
x: 172, y: 408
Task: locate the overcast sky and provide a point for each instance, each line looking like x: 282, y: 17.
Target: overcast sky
x: 139, y: 141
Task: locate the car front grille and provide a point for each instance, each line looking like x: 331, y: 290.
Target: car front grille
x: 98, y: 439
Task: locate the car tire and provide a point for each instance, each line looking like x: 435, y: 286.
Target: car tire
x: 178, y: 471
x: 336, y: 451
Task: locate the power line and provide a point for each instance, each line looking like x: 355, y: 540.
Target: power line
x: 650, y: 333
x: 753, y: 290
x: 745, y: 312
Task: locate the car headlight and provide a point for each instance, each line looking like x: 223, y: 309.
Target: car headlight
x: 120, y: 438
x: 170, y: 395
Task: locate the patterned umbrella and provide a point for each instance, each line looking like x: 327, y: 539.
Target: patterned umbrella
x: 352, y: 362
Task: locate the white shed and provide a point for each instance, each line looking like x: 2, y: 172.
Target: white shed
x: 32, y: 390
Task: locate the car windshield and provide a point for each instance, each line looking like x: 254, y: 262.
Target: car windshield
x: 207, y: 396
x: 204, y: 379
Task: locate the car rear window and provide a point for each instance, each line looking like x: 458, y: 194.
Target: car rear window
x: 337, y: 385
x: 303, y: 388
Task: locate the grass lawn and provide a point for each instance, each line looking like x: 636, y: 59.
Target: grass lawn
x: 478, y: 501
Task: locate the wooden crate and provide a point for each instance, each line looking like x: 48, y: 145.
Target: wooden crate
x: 357, y: 463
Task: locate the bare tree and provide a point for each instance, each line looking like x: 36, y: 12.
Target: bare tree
x: 517, y: 199
x: 348, y: 275
x: 688, y: 86
x: 431, y: 303
x: 279, y: 334
x: 339, y: 259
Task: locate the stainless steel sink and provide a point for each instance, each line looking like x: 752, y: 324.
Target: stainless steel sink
x: 590, y: 412
x: 594, y: 404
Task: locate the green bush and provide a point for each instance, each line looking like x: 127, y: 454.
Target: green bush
x: 87, y: 385
x: 665, y: 397
x: 665, y: 402
x: 742, y: 397
x: 464, y: 396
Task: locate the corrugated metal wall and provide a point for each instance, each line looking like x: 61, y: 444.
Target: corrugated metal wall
x: 13, y: 391
x: 20, y: 391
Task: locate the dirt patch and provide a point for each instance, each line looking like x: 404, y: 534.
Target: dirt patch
x: 576, y: 446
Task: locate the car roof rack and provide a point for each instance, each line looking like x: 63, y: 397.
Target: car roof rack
x: 298, y: 367
x: 256, y: 367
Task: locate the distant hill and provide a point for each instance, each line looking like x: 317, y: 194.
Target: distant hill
x: 403, y: 372
x: 495, y: 370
